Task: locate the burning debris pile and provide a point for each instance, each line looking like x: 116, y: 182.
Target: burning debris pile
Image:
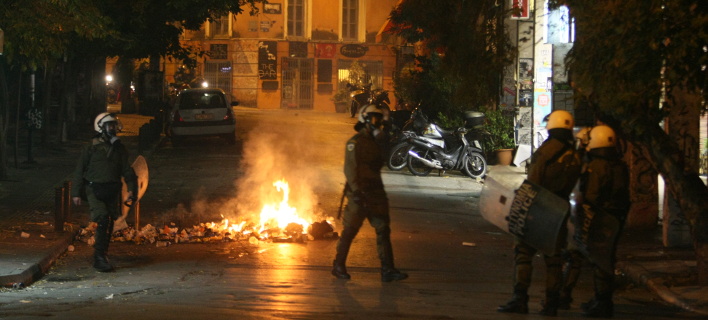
x: 279, y: 222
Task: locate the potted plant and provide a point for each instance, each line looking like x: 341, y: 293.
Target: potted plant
x: 500, y: 125
x: 341, y: 98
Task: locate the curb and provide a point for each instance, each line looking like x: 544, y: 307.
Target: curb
x: 37, y: 270
x: 643, y: 277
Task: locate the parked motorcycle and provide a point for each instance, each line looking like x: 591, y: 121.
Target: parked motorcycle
x: 446, y: 150
x: 361, y: 96
x: 414, y: 126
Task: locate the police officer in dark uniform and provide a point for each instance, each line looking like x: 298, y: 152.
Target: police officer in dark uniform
x: 555, y: 166
x: 102, y: 164
x: 604, y: 186
x: 366, y: 195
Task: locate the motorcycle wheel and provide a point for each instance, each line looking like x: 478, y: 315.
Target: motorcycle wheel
x: 398, y: 156
x: 417, y: 167
x: 475, y: 165
x: 353, y: 109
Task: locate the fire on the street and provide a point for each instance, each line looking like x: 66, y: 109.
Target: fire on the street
x: 281, y: 214
x: 279, y: 222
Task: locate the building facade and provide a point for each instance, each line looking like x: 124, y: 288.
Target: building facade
x: 294, y: 54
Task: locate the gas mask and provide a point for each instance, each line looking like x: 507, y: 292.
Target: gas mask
x: 110, y: 131
x: 375, y: 122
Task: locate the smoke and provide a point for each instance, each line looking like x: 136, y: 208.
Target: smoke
x: 271, y: 153
x: 275, y: 153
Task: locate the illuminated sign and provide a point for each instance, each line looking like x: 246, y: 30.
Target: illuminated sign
x: 353, y: 50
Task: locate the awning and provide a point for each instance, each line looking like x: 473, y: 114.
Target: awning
x: 386, y: 27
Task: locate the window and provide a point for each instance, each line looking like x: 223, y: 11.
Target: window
x: 296, y: 18
x: 350, y: 18
x: 360, y: 72
x: 220, y: 27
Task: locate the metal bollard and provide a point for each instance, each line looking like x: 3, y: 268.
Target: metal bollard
x: 59, y: 209
x: 67, y: 200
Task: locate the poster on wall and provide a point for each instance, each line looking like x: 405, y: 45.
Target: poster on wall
x: 325, y: 50
x: 524, y: 123
x: 525, y: 68
x: 265, y: 26
x: 520, y: 9
x: 267, y: 60
x: 525, y: 98
x: 272, y: 8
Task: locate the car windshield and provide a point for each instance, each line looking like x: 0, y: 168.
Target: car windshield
x: 201, y: 100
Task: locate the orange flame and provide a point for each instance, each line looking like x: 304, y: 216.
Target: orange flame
x: 280, y: 214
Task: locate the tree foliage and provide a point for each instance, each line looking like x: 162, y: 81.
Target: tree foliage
x: 37, y: 31
x: 635, y: 60
x: 467, y: 51
x: 76, y: 36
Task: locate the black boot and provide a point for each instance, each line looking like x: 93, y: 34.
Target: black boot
x: 103, y: 238
x: 100, y: 262
x: 392, y: 274
x: 340, y: 271
x: 519, y: 303
x: 550, y: 305
x: 598, y: 308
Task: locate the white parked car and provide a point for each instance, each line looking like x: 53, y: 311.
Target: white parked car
x: 202, y: 112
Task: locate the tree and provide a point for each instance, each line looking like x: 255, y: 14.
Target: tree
x: 627, y: 53
x: 37, y: 33
x: 467, y: 51
x: 77, y: 36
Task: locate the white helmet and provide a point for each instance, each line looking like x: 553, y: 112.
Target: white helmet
x: 601, y: 137
x: 560, y: 119
x: 103, y: 118
x: 369, y: 110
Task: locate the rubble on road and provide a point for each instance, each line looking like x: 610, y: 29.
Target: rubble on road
x: 213, y: 232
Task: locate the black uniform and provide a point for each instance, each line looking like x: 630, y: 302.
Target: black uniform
x: 366, y: 201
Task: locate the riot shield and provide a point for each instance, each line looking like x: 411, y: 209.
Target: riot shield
x: 531, y: 213
x: 141, y: 171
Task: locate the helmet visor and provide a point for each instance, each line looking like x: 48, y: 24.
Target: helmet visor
x: 375, y: 119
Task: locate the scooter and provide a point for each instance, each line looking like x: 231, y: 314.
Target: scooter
x: 446, y: 150
x: 414, y: 126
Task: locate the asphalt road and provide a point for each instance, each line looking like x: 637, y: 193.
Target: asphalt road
x: 459, y: 265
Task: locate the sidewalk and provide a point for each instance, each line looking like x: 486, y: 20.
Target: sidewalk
x: 27, y: 206
x: 29, y: 245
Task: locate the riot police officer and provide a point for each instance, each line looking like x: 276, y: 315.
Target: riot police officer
x: 604, y: 185
x: 556, y: 167
x: 366, y: 195
x: 99, y: 170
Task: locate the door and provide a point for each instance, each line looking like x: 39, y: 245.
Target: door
x: 218, y: 75
x: 298, y: 83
